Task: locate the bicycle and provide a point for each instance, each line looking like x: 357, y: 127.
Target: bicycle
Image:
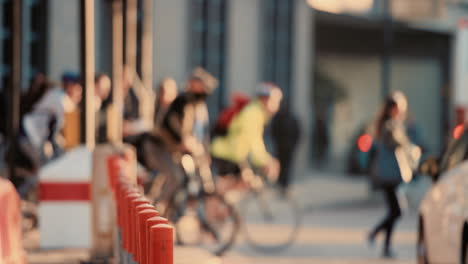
x: 201, y: 216
x: 271, y: 219
x: 264, y: 208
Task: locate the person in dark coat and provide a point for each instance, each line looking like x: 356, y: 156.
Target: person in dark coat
x: 392, y: 140
x: 286, y: 132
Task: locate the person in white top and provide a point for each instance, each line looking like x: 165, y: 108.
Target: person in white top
x: 40, y: 125
x: 48, y: 115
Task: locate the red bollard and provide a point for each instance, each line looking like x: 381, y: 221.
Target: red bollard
x: 123, y: 189
x: 11, y: 243
x: 133, y: 222
x: 126, y: 212
x: 118, y: 201
x: 161, y: 244
x: 136, y: 236
x: 149, y: 223
x: 143, y: 216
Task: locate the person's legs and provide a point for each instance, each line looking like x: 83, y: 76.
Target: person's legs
x: 285, y: 160
x: 28, y: 162
x: 228, y: 175
x: 393, y: 215
x: 174, y: 181
x: 383, y: 225
x: 393, y: 212
x: 159, y: 158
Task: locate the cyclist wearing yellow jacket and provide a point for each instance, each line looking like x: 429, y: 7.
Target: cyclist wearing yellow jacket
x: 244, y: 139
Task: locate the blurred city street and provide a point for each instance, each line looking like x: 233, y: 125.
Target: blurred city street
x: 236, y: 132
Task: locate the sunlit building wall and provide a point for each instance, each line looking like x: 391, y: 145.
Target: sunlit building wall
x: 244, y: 42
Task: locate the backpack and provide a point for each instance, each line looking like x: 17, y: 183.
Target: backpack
x: 239, y: 101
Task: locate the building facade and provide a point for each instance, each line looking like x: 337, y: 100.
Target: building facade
x: 244, y: 42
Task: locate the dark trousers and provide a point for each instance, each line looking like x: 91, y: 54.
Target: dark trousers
x: 285, y: 158
x: 393, y: 213
x: 155, y: 155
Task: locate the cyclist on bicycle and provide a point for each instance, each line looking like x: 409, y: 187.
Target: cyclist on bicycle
x: 40, y: 126
x: 184, y: 129
x: 244, y: 139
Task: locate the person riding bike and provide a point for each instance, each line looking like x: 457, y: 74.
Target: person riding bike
x: 244, y: 139
x: 184, y: 129
x: 40, y: 126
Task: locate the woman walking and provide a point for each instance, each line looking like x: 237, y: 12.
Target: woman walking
x: 392, y: 164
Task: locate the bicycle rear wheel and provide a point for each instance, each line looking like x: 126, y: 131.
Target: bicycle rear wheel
x: 271, y: 220
x: 208, y: 222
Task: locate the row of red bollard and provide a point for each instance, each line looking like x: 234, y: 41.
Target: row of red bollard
x: 144, y: 237
x: 11, y: 245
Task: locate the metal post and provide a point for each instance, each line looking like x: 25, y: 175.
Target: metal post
x: 15, y: 83
x: 147, y: 61
x: 115, y: 125
x: 87, y: 70
x: 131, y: 34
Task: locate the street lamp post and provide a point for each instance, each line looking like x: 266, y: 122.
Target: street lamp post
x: 15, y: 85
x: 87, y: 71
x: 147, y: 62
x: 114, y: 128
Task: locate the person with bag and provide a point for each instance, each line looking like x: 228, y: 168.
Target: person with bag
x: 396, y: 158
x: 244, y: 141
x: 239, y: 101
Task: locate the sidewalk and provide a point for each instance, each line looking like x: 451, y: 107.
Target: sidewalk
x: 319, y: 189
x: 325, y: 190
x: 183, y: 255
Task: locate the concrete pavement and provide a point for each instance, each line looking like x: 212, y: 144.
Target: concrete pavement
x: 337, y: 235
x: 320, y: 189
x: 339, y: 211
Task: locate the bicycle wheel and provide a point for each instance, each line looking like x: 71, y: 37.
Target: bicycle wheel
x: 209, y: 222
x: 271, y: 220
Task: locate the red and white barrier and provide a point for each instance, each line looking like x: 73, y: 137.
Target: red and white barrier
x: 65, y: 201
x: 11, y: 245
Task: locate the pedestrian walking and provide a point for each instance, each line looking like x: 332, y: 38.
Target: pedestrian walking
x: 286, y: 132
x: 395, y: 158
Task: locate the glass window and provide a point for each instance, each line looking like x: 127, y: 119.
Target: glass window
x: 208, y: 20
x: 34, y: 27
x: 37, y: 38
x: 277, y: 43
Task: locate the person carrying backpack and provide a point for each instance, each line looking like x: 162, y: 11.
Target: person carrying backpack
x: 239, y: 101
x: 244, y: 138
